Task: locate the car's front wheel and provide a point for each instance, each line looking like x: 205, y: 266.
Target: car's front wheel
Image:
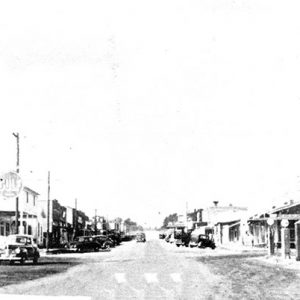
x: 35, y: 260
x: 106, y: 246
x: 22, y: 260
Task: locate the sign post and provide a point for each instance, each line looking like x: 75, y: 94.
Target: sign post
x: 285, y: 239
x: 297, y: 238
x: 271, y: 245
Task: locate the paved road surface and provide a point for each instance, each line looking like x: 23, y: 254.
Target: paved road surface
x: 156, y: 270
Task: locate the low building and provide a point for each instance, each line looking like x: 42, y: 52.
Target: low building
x: 258, y: 223
x: 80, y: 223
x: 28, y: 222
x: 223, y: 222
x: 233, y: 231
x: 57, y: 222
x: 194, y: 219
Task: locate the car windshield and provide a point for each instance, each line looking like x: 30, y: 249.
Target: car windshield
x: 204, y: 236
x: 23, y: 240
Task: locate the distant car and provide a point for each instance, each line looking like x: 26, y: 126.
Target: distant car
x: 162, y: 235
x: 20, y: 248
x: 84, y: 244
x: 104, y: 241
x: 201, y: 241
x: 141, y: 237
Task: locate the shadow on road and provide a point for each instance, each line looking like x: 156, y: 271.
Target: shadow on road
x: 18, y: 273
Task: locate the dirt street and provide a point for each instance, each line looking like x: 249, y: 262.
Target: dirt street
x: 153, y: 270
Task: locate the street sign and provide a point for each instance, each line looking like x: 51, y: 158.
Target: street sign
x: 10, y: 185
x: 284, y: 223
x: 270, y: 221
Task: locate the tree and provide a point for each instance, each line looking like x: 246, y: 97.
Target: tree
x: 172, y: 218
x: 132, y: 226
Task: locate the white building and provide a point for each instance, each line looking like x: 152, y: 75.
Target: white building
x: 29, y: 215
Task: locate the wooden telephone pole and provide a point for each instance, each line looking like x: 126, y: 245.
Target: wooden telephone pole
x: 95, y: 221
x: 48, y: 213
x: 16, y: 135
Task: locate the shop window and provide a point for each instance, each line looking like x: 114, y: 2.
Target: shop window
x: 7, y: 229
x: 2, y: 229
x: 29, y: 230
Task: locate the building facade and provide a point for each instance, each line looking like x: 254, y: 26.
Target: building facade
x: 29, y: 221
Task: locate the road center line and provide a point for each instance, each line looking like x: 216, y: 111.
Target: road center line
x: 176, y: 277
x: 120, y: 277
x: 151, y: 277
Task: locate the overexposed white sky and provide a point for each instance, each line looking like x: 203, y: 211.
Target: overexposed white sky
x: 138, y: 107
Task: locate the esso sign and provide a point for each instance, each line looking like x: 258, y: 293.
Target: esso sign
x: 10, y: 185
x: 284, y: 223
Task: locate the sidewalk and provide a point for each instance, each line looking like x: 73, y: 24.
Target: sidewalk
x: 242, y: 248
x: 44, y: 251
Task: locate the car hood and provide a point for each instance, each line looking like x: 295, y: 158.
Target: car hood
x: 17, y: 245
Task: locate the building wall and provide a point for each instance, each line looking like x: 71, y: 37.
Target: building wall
x: 28, y: 210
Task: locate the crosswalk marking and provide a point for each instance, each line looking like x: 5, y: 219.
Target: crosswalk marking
x: 151, y: 277
x: 176, y: 277
x: 120, y: 277
x: 39, y: 297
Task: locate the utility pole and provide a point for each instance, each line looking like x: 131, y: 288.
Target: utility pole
x: 48, y: 212
x: 76, y: 218
x: 16, y: 135
x: 95, y: 221
x: 186, y: 215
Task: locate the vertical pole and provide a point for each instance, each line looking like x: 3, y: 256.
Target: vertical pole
x: 76, y: 219
x: 186, y: 215
x: 297, y: 238
x: 95, y: 221
x: 48, y: 212
x: 270, y: 241
x: 16, y: 135
x: 285, y: 242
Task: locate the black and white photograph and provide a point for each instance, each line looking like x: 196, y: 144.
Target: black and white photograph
x: 150, y: 150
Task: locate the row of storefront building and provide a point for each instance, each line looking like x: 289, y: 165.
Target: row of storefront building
x: 65, y: 223
x: 233, y: 225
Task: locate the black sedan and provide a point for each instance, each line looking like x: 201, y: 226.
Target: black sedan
x: 85, y: 244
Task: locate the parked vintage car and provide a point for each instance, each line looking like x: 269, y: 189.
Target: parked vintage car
x: 114, y: 235
x: 104, y: 241
x: 201, y: 241
x: 162, y: 235
x: 84, y: 244
x: 169, y: 236
x: 182, y: 238
x: 141, y: 237
x: 20, y: 247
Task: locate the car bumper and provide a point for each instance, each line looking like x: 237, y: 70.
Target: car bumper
x: 73, y: 249
x: 10, y: 258
x: 193, y: 244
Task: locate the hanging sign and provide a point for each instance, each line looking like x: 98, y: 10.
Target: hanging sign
x: 10, y: 185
